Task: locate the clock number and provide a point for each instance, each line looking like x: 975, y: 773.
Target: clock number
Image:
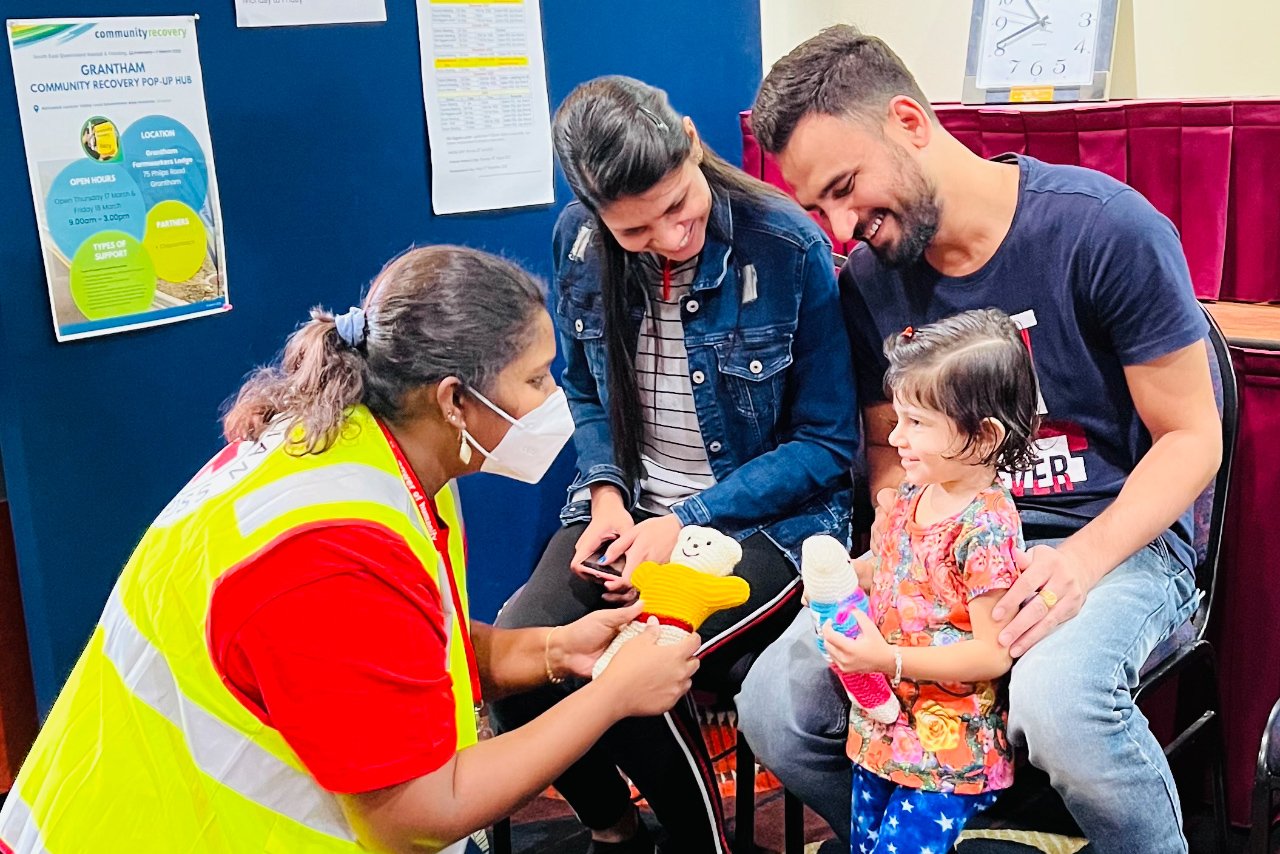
x: 999, y: 51
x: 1086, y: 19
x: 1006, y: 2
x: 1079, y: 48
x: 1060, y: 67
x: 1014, y: 67
x: 1002, y: 22
x: 1036, y: 69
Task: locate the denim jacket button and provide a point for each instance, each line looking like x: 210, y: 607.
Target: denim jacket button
x: 691, y: 306
x: 755, y: 367
x: 698, y: 377
x: 715, y: 447
x: 577, y: 325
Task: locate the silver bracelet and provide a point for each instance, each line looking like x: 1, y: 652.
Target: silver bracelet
x: 897, y: 667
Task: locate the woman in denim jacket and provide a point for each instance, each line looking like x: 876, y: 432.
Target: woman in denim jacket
x: 708, y: 372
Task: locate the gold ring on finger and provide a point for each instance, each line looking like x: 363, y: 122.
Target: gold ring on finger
x: 1048, y: 597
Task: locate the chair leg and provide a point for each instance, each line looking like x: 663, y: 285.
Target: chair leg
x: 502, y: 836
x: 744, y: 808
x: 792, y: 824
x: 1218, y: 750
x: 1260, y: 815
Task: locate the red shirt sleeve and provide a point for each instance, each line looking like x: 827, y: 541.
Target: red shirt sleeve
x: 335, y: 638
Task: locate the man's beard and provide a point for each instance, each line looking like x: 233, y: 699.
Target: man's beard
x: 917, y: 219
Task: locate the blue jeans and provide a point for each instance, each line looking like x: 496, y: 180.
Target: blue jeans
x: 1098, y: 750
x: 888, y: 818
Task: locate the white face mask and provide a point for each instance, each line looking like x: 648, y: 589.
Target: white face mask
x: 532, y: 443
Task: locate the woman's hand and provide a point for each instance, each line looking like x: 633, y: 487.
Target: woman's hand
x: 646, y: 679
x: 869, y: 652
x: 653, y: 539
x: 573, y: 649
x: 609, y: 519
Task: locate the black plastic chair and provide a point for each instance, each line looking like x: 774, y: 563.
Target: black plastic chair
x: 1265, y: 783
x: 1187, y: 654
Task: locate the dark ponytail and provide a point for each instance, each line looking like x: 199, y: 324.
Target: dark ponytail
x: 617, y: 137
x: 423, y: 323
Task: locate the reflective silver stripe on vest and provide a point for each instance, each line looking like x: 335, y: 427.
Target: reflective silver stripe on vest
x: 18, y: 827
x: 327, y: 484
x: 218, y: 749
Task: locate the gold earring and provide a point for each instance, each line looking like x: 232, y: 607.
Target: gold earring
x: 464, y: 451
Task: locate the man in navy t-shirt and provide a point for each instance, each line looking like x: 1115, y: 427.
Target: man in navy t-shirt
x: 1096, y: 279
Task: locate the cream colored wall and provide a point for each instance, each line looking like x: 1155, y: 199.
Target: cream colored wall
x: 1164, y: 48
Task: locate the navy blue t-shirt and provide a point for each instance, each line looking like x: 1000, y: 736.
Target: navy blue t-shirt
x: 1096, y: 279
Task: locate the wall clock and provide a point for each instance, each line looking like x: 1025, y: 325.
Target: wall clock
x: 1039, y: 50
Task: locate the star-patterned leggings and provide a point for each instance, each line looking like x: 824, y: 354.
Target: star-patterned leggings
x: 893, y: 819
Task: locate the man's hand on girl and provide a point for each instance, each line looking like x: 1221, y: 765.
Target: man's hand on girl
x: 1050, y: 590
x: 869, y: 652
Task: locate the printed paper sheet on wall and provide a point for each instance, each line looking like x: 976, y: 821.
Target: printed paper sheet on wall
x: 121, y: 166
x: 485, y: 88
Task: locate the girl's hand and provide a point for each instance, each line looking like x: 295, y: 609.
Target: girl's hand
x: 885, y: 499
x: 869, y: 652
x: 864, y: 567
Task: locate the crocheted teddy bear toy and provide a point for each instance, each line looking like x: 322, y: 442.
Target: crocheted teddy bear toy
x: 682, y: 593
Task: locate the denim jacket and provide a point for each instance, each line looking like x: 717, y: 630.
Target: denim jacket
x: 768, y: 361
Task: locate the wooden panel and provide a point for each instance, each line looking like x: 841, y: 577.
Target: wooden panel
x: 1248, y: 324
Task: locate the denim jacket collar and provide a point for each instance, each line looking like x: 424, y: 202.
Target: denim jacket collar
x: 719, y: 244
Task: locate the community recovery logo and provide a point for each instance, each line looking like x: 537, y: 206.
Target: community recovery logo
x: 27, y: 35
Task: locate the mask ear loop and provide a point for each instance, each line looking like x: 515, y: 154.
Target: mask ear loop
x: 468, y: 441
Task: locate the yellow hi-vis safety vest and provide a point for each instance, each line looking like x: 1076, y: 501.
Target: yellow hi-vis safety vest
x: 145, y: 749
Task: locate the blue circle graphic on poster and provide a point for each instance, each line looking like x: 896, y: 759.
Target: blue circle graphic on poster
x: 87, y: 197
x: 166, y: 160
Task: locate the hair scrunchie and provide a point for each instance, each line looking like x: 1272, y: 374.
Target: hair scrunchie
x: 353, y: 327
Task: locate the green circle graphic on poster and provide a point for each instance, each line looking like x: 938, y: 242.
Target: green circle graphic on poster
x: 176, y: 240
x: 112, y: 275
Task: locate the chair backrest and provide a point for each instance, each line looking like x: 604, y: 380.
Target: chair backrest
x: 1211, y: 506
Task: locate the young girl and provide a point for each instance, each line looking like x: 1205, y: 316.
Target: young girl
x: 709, y: 377
x: 965, y: 395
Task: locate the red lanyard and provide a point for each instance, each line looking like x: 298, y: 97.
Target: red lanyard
x: 440, y: 537
x: 666, y: 280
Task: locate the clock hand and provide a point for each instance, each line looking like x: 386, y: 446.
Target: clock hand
x: 1028, y: 28
x: 1034, y: 13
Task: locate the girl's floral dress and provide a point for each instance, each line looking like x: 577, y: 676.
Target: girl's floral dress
x: 950, y: 736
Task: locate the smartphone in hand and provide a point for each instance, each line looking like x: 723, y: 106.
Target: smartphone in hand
x: 597, y: 568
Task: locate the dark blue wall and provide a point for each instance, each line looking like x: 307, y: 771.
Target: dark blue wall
x: 97, y: 435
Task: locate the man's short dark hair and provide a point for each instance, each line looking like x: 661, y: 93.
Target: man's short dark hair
x: 839, y: 72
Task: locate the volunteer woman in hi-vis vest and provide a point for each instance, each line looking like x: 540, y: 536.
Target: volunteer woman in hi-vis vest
x: 286, y: 663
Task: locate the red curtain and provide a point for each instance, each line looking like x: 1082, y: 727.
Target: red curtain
x: 1212, y: 167
x: 1246, y: 631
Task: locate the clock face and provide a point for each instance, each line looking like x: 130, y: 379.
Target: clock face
x: 1038, y: 43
